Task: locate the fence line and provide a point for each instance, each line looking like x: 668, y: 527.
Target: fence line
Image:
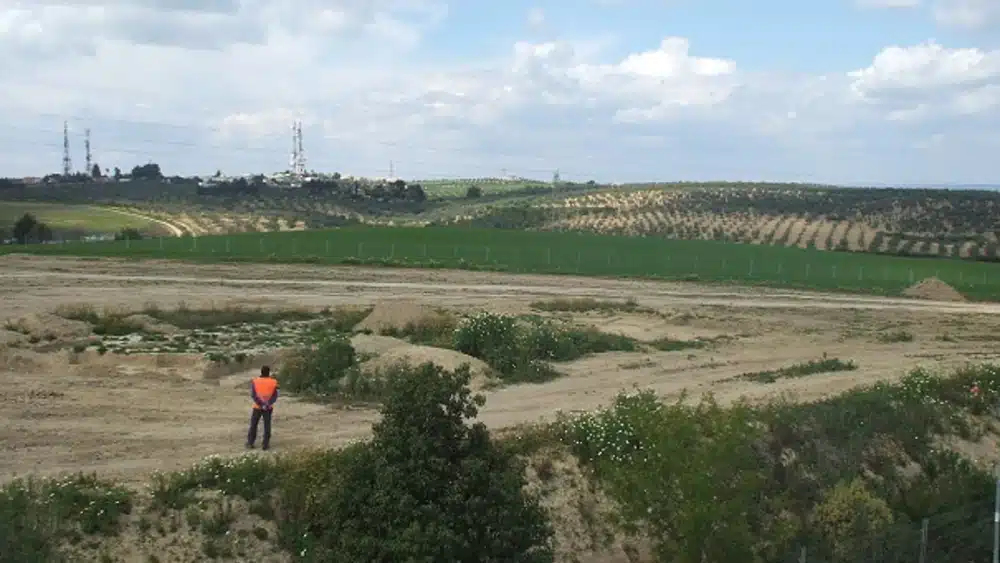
x: 836, y: 270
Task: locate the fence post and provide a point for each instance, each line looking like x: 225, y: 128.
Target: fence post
x: 923, y: 539
x: 425, y: 250
x: 260, y: 244
x: 392, y: 251
x: 161, y: 243
x: 578, y: 261
x: 295, y: 247
x: 751, y: 268
x: 807, y: 270
x: 861, y: 273
x: 911, y: 275
x: 996, y: 515
x: 128, y: 242
x: 227, y: 245
x: 487, y: 254
x: 194, y: 243
x: 548, y: 256
x: 802, y: 555
x: 833, y: 270
x: 326, y: 246
x: 361, y: 249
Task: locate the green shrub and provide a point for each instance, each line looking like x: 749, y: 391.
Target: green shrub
x: 319, y: 370
x: 427, y: 488
x: 36, y: 516
x: 684, y: 474
x: 852, y: 519
x: 520, y: 349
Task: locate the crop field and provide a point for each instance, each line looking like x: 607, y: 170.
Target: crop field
x: 68, y: 217
x: 563, y: 253
x: 856, y: 220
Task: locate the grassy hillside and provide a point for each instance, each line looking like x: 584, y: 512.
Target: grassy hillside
x: 567, y: 253
x: 70, y: 219
x: 917, y: 222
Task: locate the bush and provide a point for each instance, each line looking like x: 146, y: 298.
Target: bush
x: 520, y: 350
x: 36, y: 516
x: 428, y: 487
x: 682, y: 473
x: 852, y: 519
x: 321, y: 369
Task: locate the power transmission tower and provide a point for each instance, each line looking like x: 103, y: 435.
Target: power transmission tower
x: 66, y: 162
x: 86, y: 148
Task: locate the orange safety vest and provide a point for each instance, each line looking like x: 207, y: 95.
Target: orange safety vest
x: 264, y: 387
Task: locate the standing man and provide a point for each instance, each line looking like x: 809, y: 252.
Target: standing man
x: 264, y: 393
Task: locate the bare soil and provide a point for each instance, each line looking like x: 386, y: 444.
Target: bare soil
x: 125, y: 416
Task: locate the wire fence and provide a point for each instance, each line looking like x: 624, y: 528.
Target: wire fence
x: 963, y: 535
x: 523, y: 253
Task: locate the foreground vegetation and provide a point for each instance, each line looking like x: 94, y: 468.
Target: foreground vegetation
x: 863, y: 476
x: 536, y: 252
x: 69, y: 221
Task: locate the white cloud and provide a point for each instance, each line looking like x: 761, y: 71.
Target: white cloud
x: 891, y: 4
x: 220, y: 90
x: 968, y: 14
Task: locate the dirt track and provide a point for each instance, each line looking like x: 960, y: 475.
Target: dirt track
x: 130, y: 415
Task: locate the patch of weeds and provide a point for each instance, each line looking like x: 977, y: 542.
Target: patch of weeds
x: 432, y: 330
x: 587, y: 304
x: 36, y: 516
x: 79, y: 348
x: 519, y: 350
x: 946, y: 337
x: 666, y: 344
x: 219, y: 520
x: 187, y: 318
x: 895, y: 336
x: 344, y: 319
x: 318, y: 370
x: 246, y: 476
x: 812, y: 367
x: 105, y: 323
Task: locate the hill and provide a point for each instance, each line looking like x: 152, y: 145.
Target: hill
x: 910, y: 222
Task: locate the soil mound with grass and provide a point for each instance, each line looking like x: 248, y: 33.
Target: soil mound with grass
x: 11, y: 338
x: 396, y: 316
x: 50, y: 327
x: 147, y: 323
x: 414, y: 355
x: 934, y: 290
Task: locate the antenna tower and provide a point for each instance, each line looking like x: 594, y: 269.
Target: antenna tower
x: 86, y: 148
x: 66, y: 162
x: 294, y: 159
x: 301, y: 154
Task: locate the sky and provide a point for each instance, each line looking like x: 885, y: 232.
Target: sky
x: 830, y: 91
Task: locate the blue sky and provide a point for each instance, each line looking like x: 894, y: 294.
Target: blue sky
x: 844, y: 91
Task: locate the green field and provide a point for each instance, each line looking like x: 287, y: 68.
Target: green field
x: 562, y: 253
x: 70, y: 217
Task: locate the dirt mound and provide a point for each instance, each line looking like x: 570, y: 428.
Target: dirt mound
x: 373, y: 344
x: 9, y: 338
x: 50, y: 327
x: 24, y: 361
x: 934, y: 290
x: 416, y: 355
x: 147, y: 323
x: 396, y: 315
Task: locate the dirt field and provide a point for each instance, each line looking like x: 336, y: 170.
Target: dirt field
x: 126, y: 416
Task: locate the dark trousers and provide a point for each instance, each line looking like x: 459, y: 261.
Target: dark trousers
x: 254, y: 421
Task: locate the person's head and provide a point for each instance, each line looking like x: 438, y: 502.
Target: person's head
x: 265, y: 371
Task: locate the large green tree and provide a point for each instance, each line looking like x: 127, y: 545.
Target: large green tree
x: 429, y: 487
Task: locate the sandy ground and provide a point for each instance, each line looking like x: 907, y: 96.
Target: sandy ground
x: 126, y: 416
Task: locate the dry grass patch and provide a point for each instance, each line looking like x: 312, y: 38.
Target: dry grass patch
x: 587, y: 304
x: 812, y: 367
